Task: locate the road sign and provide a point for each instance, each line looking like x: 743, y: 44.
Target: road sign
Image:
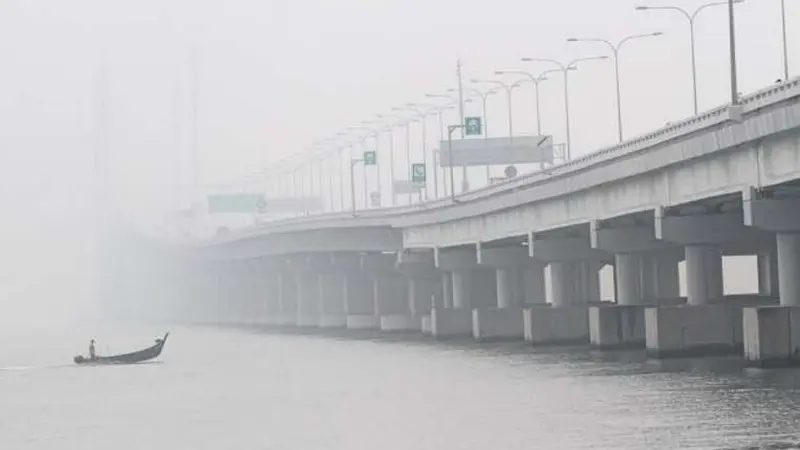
x: 497, y: 151
x: 473, y: 126
x: 375, y: 199
x: 418, y: 172
x: 370, y: 158
x: 510, y: 172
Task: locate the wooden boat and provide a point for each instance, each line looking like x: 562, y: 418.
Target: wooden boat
x: 127, y: 358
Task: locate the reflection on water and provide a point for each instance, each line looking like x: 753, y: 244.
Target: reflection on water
x: 250, y: 389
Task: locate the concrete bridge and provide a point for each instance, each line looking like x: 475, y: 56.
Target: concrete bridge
x: 721, y: 183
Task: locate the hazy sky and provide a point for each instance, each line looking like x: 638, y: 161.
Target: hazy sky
x: 276, y: 76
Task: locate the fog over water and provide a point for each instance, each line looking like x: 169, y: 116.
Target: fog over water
x: 111, y: 87
x: 274, y: 77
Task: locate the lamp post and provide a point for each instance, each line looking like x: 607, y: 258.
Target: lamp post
x: 691, y: 18
x: 785, y: 45
x: 422, y: 111
x: 565, y: 68
x: 452, y: 102
x: 509, y: 88
x: 615, y: 50
x: 407, y: 124
x: 535, y: 80
x: 484, y: 96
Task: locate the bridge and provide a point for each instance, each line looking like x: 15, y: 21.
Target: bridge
x: 724, y: 182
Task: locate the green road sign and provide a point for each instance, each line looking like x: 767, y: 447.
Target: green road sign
x: 418, y: 173
x: 370, y: 158
x: 473, y: 126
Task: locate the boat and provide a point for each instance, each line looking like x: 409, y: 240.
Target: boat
x: 127, y: 358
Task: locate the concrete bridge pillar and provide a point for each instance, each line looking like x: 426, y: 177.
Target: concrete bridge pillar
x: 506, y: 287
x: 359, y: 303
x: 287, y: 288
x: 461, y: 291
x: 667, y: 277
x: 461, y: 268
x: 589, y: 287
x: 627, y: 267
x: 768, y: 284
x: 422, y: 295
x: 703, y: 274
x: 308, y: 300
x: 533, y: 284
x: 447, y: 290
x: 332, y: 305
x: 789, y: 268
x: 563, y: 283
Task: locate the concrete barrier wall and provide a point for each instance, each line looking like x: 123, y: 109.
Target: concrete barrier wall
x: 498, y: 324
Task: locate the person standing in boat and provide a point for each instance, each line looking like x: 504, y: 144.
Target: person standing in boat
x: 92, y: 354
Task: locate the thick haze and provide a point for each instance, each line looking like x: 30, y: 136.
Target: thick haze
x: 276, y: 76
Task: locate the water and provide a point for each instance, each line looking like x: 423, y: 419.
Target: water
x: 246, y: 389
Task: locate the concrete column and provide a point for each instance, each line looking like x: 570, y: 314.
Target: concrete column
x: 389, y: 295
x: 358, y: 295
x: 447, y: 290
x: 461, y: 291
x: 768, y: 273
x: 703, y: 274
x: 534, y: 285
x: 667, y: 275
x: 590, y: 286
x: 627, y: 267
x: 505, y: 287
x: 331, y: 297
x: 421, y: 295
x: 288, y: 298
x: 562, y: 283
x: 789, y: 268
x: 648, y: 277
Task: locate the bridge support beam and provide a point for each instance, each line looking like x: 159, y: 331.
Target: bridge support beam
x: 503, y: 319
x: 642, y: 279
x: 462, y: 267
x: 709, y: 323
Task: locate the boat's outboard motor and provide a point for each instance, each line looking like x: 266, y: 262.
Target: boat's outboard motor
x: 79, y: 359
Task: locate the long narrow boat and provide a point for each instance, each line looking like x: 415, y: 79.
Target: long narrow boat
x: 127, y: 358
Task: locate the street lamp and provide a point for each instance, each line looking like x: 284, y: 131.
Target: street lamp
x: 407, y: 124
x: 535, y: 80
x: 484, y: 96
x: 423, y: 110
x: 509, y: 88
x: 691, y: 18
x: 451, y: 104
x: 565, y: 68
x: 615, y: 50
x: 785, y: 46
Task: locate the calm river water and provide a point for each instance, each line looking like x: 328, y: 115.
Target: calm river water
x: 248, y: 389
